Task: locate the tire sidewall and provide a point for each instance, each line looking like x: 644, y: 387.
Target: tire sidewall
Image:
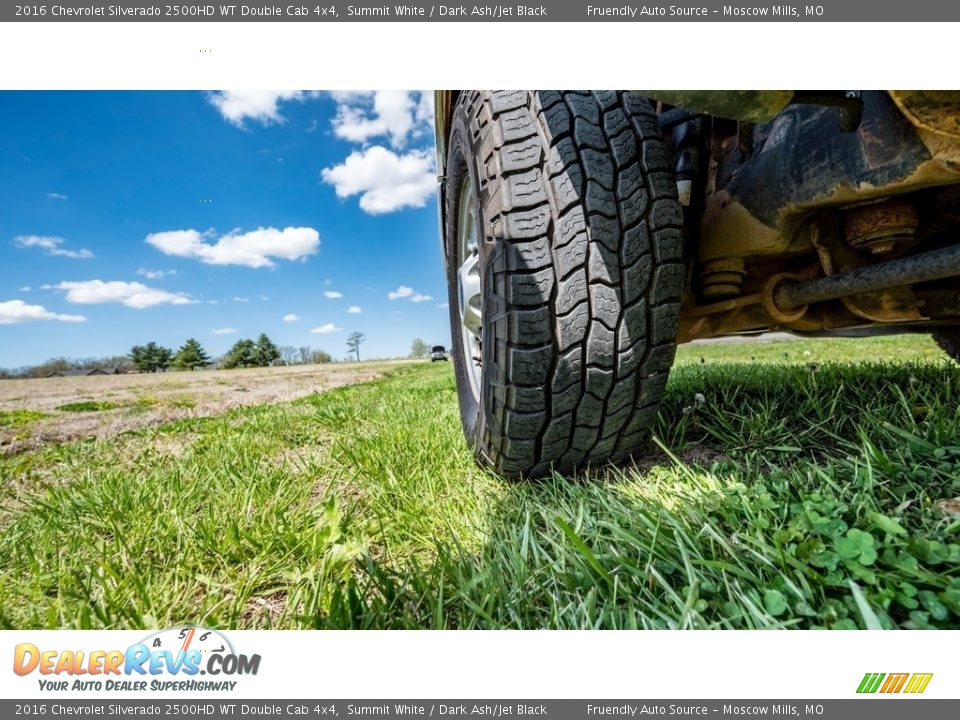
x: 460, y: 165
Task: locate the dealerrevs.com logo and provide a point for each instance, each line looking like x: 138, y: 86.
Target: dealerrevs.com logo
x: 169, y: 660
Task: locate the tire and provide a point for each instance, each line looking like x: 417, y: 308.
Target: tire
x: 581, y: 273
x: 949, y: 340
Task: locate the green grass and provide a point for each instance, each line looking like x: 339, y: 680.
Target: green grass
x: 138, y: 404
x: 87, y: 406
x: 19, y: 418
x: 788, y: 492
x: 914, y: 348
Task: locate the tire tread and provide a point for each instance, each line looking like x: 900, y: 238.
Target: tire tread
x: 578, y: 189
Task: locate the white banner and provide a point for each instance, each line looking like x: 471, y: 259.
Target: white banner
x: 513, y: 664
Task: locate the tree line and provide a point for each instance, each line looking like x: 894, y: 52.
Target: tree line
x: 245, y: 353
x: 153, y: 357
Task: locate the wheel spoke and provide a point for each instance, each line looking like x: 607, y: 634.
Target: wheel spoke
x: 468, y: 285
x: 469, y: 276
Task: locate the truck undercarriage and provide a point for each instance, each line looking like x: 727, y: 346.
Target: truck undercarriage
x: 586, y: 233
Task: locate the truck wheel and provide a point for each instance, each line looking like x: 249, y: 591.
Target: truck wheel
x: 949, y: 340
x: 564, y: 253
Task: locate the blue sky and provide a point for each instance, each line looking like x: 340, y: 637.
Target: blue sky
x: 134, y: 216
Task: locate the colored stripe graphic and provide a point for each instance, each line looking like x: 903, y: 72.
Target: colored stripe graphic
x: 870, y: 682
x: 918, y: 682
x: 894, y: 683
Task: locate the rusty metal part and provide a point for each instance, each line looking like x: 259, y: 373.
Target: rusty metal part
x: 745, y: 105
x: 727, y: 317
x: 849, y: 105
x: 881, y: 227
x: 893, y: 305
x: 755, y: 311
x: 937, y: 111
x: 933, y: 265
x: 801, y: 164
x: 867, y: 295
x: 722, y: 278
x: 780, y: 314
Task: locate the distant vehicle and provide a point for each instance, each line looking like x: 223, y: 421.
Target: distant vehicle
x: 439, y: 352
x: 587, y: 233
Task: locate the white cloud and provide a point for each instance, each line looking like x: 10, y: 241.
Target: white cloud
x: 401, y: 292
x: 26, y: 288
x: 51, y: 246
x: 17, y: 311
x: 354, y: 310
x: 132, y: 294
x: 251, y: 249
x: 395, y: 114
x: 57, y: 196
x: 384, y: 180
x: 237, y: 298
x: 425, y: 109
x: 443, y: 305
x: 224, y: 331
x: 405, y: 292
x: 262, y: 106
x: 156, y: 274
x: 213, y: 302
x: 291, y: 318
x: 327, y: 328
x: 332, y: 294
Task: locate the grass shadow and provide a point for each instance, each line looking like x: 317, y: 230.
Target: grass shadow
x: 780, y: 497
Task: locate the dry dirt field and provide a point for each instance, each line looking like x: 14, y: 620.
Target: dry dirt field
x: 105, y: 405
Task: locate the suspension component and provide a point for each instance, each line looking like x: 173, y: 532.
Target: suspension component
x: 882, y: 227
x: 722, y: 278
x: 933, y: 265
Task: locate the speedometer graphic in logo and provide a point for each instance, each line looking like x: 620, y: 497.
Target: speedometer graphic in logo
x: 184, y: 638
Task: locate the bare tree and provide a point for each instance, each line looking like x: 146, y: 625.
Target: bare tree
x: 419, y: 349
x: 354, y: 341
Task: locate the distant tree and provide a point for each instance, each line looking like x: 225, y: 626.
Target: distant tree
x: 151, y: 357
x: 138, y: 354
x: 320, y: 357
x: 120, y: 363
x: 303, y: 353
x: 265, y: 352
x: 419, y: 348
x: 289, y: 354
x: 354, y: 341
x: 116, y: 363
x: 162, y: 358
x: 240, y: 355
x: 50, y: 366
x: 191, y: 356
